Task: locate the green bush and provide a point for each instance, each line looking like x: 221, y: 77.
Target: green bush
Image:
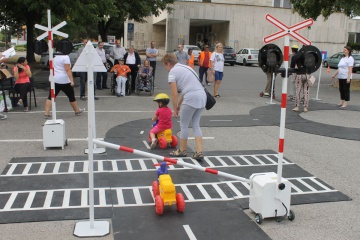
x: 354, y: 46
x: 20, y: 48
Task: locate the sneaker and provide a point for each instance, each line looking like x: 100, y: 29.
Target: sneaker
x: 3, y: 117
x: 26, y: 109
x: 47, y: 116
x: 82, y: 98
x: 208, y: 84
x: 266, y: 94
x: 96, y: 98
x: 153, y: 144
x: 80, y: 111
x: 118, y: 94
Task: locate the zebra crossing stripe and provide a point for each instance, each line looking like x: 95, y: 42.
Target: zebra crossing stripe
x: 204, y: 192
x: 187, y: 192
x: 69, y: 167
x: 29, y: 200
x: 234, y: 189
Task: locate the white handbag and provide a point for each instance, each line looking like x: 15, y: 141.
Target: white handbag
x: 311, y: 80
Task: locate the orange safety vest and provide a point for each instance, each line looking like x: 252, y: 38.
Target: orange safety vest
x: 191, y: 62
x: 202, y: 57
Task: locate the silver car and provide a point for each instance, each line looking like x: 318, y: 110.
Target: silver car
x: 247, y: 56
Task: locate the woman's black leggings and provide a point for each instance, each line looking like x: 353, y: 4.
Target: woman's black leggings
x: 66, y: 88
x: 344, y: 89
x: 23, y: 89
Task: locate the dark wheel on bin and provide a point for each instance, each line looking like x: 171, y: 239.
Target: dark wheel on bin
x: 291, y: 216
x: 258, y: 218
x: 159, y: 205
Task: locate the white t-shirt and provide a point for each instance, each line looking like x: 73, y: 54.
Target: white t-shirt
x: 131, y: 58
x: 343, y: 67
x: 189, y: 85
x: 60, y: 74
x: 118, y: 52
x: 218, y: 61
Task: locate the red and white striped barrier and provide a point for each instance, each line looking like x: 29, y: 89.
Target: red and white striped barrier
x: 170, y: 160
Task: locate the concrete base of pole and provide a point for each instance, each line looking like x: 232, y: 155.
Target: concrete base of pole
x: 100, y: 229
x: 96, y: 151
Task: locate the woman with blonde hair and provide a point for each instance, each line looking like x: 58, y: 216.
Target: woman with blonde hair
x: 217, y: 62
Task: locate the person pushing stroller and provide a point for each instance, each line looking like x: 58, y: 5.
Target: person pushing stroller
x: 121, y: 76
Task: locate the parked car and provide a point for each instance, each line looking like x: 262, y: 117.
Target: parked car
x: 247, y: 56
x: 195, y: 51
x: 44, y: 60
x: 334, y: 60
x: 229, y: 55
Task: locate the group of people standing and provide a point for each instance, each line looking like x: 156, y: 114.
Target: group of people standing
x: 207, y: 60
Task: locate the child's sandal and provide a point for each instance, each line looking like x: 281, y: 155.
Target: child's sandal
x: 178, y: 153
x: 198, y: 156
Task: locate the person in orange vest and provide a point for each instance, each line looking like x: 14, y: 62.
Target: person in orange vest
x: 190, y: 61
x: 121, y: 76
x: 204, y: 63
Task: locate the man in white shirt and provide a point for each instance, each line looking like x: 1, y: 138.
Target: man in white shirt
x: 151, y: 54
x: 101, y: 77
x: 117, y: 52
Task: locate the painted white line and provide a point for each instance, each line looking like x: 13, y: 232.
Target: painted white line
x: 120, y: 197
x: 56, y: 167
x: 206, y: 159
x: 142, y: 132
x: 189, y: 232
x: 236, y: 191
x: 137, y: 196
x: 204, y: 192
x: 40, y: 140
x: 10, y: 202
x: 219, y: 191
x: 66, y: 199
x: 247, y: 161
x: 114, y: 166
x: 84, y: 197
x: 128, y: 164
x: 11, y: 169
x: 102, y: 197
x: 220, y: 120
x: 221, y: 161
x: 29, y: 200
x: 234, y: 161
x: 71, y: 167
x: 100, y: 166
x: 307, y: 185
x: 319, y: 184
x: 146, y: 144
x: 298, y: 190
x: 49, y: 196
x: 204, y: 138
x: 187, y: 193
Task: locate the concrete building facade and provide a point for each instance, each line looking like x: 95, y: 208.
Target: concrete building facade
x: 236, y: 23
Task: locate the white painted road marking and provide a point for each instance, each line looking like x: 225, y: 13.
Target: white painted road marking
x: 189, y: 232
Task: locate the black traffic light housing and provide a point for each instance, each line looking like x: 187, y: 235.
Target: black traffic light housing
x: 64, y: 46
x: 270, y: 58
x: 40, y: 46
x: 309, y: 60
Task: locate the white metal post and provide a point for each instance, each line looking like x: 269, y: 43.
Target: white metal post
x: 318, y: 85
x: 272, y: 89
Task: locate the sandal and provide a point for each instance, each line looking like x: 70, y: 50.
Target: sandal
x: 47, y: 116
x: 80, y: 111
x: 178, y: 153
x: 217, y: 96
x: 198, y: 156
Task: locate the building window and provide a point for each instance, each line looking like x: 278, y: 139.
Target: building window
x: 282, y: 4
x: 354, y: 37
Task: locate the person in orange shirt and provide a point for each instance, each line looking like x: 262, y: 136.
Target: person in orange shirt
x: 22, y: 75
x: 121, y: 76
x: 204, y: 63
x: 190, y: 61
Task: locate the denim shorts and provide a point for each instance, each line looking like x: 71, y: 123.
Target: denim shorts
x: 218, y: 75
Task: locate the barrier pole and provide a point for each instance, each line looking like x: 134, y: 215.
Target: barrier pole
x: 283, y: 112
x: 170, y: 160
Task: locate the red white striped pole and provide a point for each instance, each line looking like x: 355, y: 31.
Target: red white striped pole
x: 283, y: 109
x: 170, y: 160
x: 51, y: 65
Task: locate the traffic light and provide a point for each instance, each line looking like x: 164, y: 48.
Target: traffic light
x: 64, y: 46
x: 309, y: 60
x: 270, y: 58
x: 40, y: 46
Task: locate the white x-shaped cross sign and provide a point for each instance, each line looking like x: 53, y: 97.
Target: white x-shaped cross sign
x: 54, y: 30
x: 286, y: 30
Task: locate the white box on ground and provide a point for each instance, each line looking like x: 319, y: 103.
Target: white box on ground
x: 54, y: 134
x: 263, y: 195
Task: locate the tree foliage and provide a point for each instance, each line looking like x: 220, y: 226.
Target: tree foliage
x: 85, y: 18
x: 314, y: 8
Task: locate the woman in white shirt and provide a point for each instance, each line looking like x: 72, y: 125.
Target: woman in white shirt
x: 63, y: 82
x: 217, y: 61
x: 344, y: 73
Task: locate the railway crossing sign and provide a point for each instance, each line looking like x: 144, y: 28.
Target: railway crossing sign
x: 286, y: 30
